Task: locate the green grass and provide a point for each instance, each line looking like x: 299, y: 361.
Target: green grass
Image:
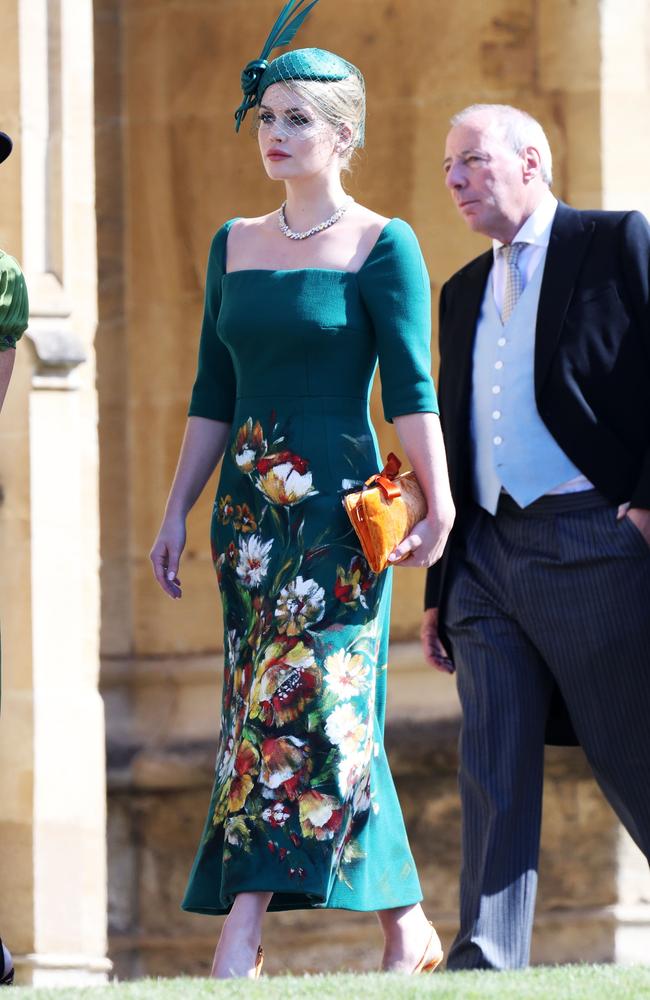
x: 572, y: 982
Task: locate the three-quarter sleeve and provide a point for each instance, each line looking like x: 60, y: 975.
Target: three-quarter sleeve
x: 215, y: 386
x: 395, y: 288
x: 14, y: 303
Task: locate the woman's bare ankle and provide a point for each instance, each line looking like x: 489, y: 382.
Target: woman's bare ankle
x: 237, y: 951
x: 407, y: 934
x: 235, y: 954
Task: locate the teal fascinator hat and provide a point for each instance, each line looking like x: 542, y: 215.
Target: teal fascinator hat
x: 307, y: 64
x: 300, y: 65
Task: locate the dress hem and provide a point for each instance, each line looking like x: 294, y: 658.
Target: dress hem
x: 368, y: 908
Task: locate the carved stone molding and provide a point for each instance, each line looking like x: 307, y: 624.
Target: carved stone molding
x: 59, y: 350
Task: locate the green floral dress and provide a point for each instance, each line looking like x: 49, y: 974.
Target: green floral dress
x: 303, y: 803
x: 14, y: 316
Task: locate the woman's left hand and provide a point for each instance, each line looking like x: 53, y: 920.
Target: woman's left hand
x: 425, y: 545
x: 421, y: 435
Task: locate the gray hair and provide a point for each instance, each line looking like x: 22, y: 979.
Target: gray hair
x: 518, y: 128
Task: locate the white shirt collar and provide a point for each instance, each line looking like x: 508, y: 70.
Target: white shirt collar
x: 537, y: 227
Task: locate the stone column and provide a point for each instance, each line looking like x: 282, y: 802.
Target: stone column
x: 625, y: 104
x: 52, y: 821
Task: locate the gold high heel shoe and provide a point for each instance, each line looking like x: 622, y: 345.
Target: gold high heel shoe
x: 259, y: 962
x: 432, y: 957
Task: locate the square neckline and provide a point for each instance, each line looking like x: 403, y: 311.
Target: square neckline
x: 295, y: 270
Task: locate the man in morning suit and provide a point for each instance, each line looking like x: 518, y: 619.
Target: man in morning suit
x: 544, y: 588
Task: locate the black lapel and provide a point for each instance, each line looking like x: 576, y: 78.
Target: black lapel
x: 466, y: 290
x: 469, y: 287
x: 568, y: 243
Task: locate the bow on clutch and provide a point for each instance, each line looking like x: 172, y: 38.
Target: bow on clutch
x: 385, y: 511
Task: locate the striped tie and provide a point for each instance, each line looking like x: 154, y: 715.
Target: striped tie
x: 514, y: 281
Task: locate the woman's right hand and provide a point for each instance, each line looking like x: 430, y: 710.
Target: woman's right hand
x: 203, y: 445
x: 166, y: 555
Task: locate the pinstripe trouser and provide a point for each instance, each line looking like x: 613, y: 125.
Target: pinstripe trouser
x: 557, y: 591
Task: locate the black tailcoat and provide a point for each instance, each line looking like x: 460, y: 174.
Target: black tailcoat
x: 592, y: 369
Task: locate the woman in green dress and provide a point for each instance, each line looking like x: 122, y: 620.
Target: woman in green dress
x: 14, y: 314
x: 299, y: 306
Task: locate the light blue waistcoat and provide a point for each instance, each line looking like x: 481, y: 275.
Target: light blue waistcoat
x: 512, y: 447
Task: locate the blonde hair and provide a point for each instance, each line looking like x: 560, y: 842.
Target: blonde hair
x: 342, y: 103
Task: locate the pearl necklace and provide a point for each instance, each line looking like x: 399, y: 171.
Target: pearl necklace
x: 291, y: 235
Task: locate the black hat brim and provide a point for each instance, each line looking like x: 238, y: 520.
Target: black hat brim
x: 6, y: 145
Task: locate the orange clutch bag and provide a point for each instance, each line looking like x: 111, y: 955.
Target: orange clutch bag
x: 384, y: 511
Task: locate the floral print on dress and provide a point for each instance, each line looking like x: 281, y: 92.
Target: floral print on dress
x: 225, y: 509
x: 300, y: 603
x: 253, y: 560
x: 293, y: 767
x: 244, y: 519
x: 352, y: 584
x: 248, y: 446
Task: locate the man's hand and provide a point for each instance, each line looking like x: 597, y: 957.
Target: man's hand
x: 639, y: 517
x: 434, y: 652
